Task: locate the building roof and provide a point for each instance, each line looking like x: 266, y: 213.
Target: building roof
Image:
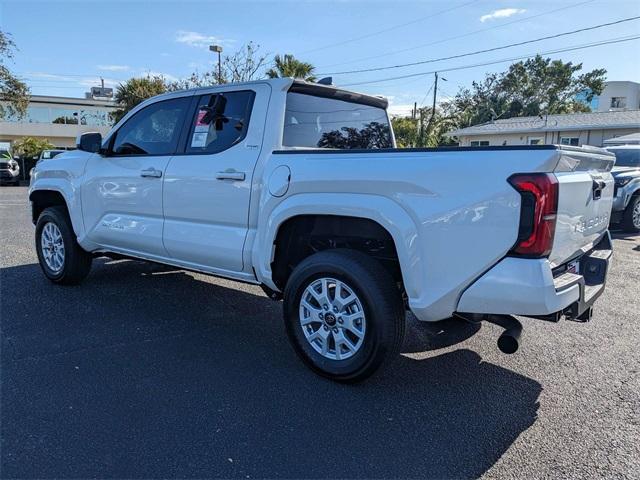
x: 72, y: 101
x: 554, y: 123
x: 631, y: 139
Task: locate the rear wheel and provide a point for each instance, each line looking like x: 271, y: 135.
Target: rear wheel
x: 631, y: 216
x: 62, y: 260
x: 344, y: 314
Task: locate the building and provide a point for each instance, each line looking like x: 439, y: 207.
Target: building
x: 571, y: 129
x: 58, y: 119
x: 617, y: 96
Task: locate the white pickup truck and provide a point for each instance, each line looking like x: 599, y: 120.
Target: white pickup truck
x: 298, y: 187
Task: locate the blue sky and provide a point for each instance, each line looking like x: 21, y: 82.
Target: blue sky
x: 65, y: 46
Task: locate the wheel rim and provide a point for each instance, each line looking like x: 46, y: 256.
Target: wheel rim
x: 636, y: 215
x: 332, y: 318
x: 52, y: 247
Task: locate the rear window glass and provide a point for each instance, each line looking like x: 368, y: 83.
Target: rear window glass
x: 627, y: 157
x: 319, y: 122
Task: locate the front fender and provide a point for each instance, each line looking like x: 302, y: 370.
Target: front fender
x: 384, y: 211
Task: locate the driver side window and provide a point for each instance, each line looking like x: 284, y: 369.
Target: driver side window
x: 154, y: 130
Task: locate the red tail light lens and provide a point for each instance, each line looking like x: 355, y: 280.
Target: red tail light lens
x: 538, y: 213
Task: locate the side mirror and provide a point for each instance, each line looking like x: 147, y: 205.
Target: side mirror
x: 89, y: 142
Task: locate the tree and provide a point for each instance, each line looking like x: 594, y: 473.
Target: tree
x: 13, y: 91
x: 136, y: 90
x: 244, y: 65
x: 406, y: 131
x: 289, y: 66
x: 30, y: 147
x: 372, y: 135
x: 537, y: 86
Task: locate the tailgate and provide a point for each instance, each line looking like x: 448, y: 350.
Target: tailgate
x: 585, y: 197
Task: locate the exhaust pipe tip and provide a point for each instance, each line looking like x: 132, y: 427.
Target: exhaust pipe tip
x: 508, y: 343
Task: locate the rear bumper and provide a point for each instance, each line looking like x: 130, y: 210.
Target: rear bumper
x: 529, y: 287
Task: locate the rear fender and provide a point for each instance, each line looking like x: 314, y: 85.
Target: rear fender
x: 385, y: 212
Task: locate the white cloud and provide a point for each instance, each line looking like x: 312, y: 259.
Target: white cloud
x: 167, y: 76
x: 114, y: 68
x: 199, y: 40
x: 95, y: 82
x: 400, y: 110
x: 502, y: 13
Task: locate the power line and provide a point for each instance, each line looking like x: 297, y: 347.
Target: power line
x: 463, y: 67
x: 388, y: 29
x: 456, y: 37
x: 477, y: 52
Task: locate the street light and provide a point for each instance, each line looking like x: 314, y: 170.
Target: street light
x: 218, y: 50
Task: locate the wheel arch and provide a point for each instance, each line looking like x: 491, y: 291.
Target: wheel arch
x: 42, y: 198
x: 380, y: 213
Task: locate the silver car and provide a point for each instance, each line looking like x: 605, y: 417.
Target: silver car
x: 626, y: 173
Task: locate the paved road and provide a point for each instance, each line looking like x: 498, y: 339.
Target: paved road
x: 145, y: 371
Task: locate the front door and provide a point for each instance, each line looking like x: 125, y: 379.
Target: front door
x: 207, y: 189
x: 122, y: 192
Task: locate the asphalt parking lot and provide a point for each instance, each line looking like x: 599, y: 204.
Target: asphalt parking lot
x: 147, y: 371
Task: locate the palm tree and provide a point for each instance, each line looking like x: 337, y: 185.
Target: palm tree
x: 289, y: 66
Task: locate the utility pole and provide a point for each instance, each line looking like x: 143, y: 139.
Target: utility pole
x: 433, y: 106
x: 218, y: 50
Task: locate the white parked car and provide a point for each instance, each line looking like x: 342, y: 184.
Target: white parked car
x: 298, y: 187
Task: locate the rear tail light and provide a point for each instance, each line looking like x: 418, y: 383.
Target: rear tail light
x: 538, y: 213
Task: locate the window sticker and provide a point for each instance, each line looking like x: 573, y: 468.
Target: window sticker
x: 199, y: 140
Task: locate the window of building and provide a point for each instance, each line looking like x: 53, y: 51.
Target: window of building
x: 535, y: 140
x: 320, y: 122
x: 221, y: 121
x: 36, y: 115
x: 64, y: 116
x: 618, y: 102
x: 480, y: 143
x: 154, y: 130
x: 574, y: 141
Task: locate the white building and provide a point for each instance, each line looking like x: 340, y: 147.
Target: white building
x: 617, y: 96
x: 58, y: 119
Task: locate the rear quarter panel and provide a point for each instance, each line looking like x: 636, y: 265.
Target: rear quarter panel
x: 463, y: 212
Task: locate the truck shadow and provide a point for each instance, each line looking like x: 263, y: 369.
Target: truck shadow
x: 145, y: 371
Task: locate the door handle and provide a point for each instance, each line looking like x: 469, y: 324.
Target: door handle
x: 239, y: 176
x: 151, y: 172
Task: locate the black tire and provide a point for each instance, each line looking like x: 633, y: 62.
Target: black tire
x: 77, y: 262
x: 381, y: 303
x: 628, y: 224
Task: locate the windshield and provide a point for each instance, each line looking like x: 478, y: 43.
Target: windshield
x: 320, y: 122
x: 47, y: 154
x: 627, y: 157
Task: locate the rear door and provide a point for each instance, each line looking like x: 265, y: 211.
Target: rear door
x: 122, y: 190
x: 207, y: 188
x: 585, y: 198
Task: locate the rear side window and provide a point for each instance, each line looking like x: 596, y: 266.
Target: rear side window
x: 319, y: 122
x: 221, y: 121
x: 154, y: 130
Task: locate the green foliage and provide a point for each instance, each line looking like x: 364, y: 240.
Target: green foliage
x: 406, y: 131
x: 13, y: 92
x: 30, y: 147
x: 532, y: 87
x: 136, y: 90
x: 288, y: 66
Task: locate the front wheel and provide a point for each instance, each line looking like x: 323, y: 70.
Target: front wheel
x: 62, y: 260
x: 631, y: 216
x: 344, y: 314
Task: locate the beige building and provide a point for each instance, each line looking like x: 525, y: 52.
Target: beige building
x: 570, y: 129
x: 58, y: 119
